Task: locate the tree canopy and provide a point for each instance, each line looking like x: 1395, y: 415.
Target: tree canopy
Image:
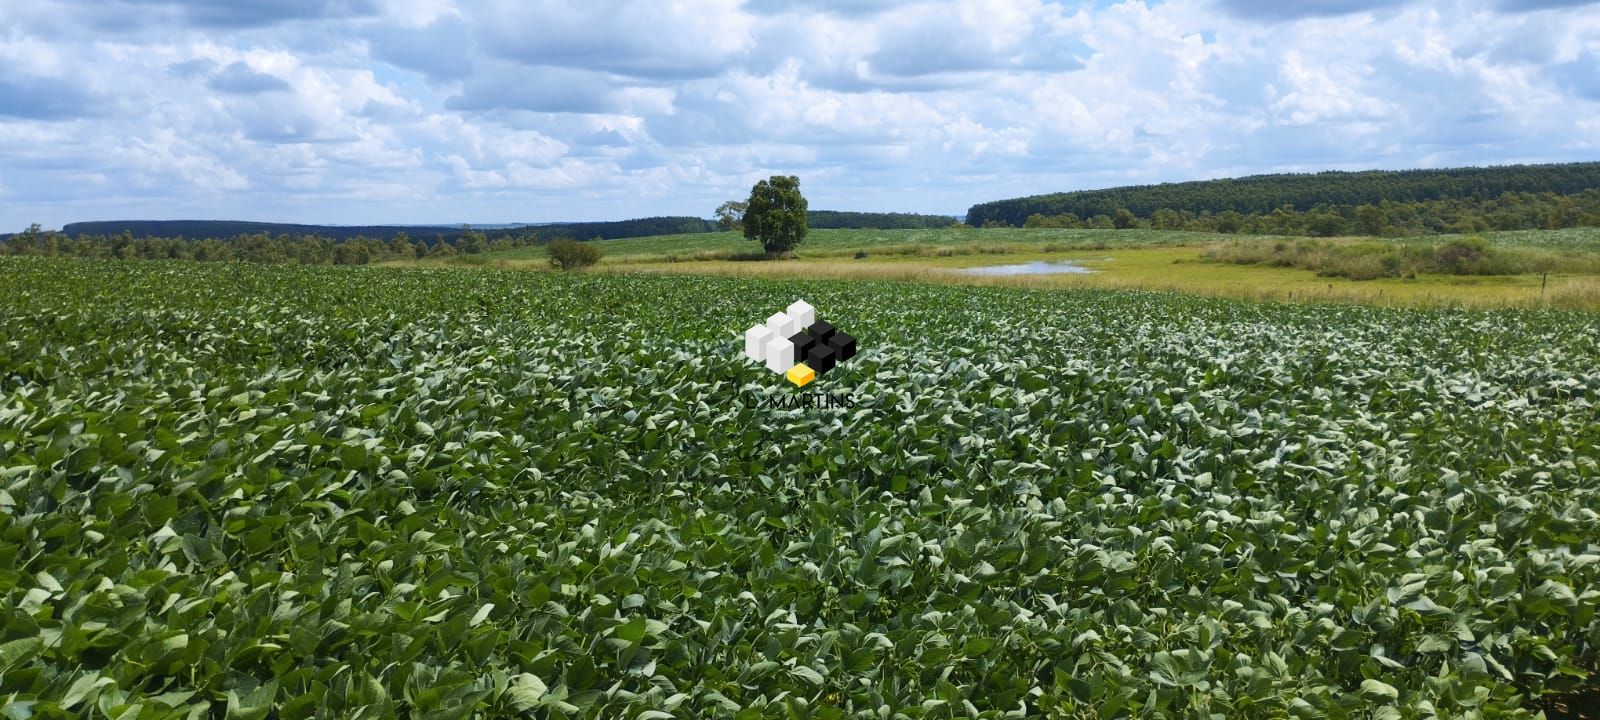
x: 730, y: 215
x: 775, y: 215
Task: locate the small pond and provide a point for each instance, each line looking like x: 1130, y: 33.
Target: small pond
x: 1037, y: 267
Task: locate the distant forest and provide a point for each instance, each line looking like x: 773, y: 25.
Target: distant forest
x: 1331, y: 203
x: 1509, y: 211
x: 200, y: 229
x: 221, y: 241
x: 833, y: 219
x: 260, y: 247
x: 641, y: 227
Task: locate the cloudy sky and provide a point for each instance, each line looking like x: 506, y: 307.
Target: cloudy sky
x: 444, y: 111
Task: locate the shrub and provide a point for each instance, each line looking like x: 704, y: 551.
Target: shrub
x: 1361, y: 266
x: 1460, y: 255
x: 572, y: 255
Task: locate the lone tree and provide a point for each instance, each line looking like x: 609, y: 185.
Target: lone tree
x: 775, y: 215
x: 730, y: 215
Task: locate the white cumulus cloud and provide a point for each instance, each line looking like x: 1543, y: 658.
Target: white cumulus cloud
x: 402, y: 111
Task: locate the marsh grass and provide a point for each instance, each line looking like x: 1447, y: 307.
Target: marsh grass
x: 1178, y: 270
x: 1369, y: 260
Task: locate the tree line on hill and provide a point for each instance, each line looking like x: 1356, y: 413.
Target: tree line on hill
x: 1341, y: 193
x: 200, y: 229
x: 611, y: 230
x: 1510, y: 211
x: 258, y: 247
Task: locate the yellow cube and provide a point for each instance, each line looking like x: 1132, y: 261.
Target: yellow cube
x: 801, y: 374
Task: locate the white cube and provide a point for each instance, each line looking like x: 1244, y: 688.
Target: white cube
x: 780, y: 354
x: 779, y: 325
x: 755, y: 342
x: 802, y: 314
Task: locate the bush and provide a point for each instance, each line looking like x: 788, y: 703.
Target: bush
x: 572, y: 255
x: 1461, y: 255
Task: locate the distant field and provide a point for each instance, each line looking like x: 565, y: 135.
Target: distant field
x: 828, y: 243
x: 1121, y: 259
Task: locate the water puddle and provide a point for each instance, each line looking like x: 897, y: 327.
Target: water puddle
x: 1038, y: 267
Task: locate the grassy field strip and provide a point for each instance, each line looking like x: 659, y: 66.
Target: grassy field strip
x: 832, y: 243
x: 1124, y: 259
x: 836, y: 242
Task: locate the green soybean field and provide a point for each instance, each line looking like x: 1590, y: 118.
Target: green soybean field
x: 244, y: 491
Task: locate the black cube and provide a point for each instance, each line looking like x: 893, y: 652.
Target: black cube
x: 820, y: 359
x: 844, y: 346
x: 821, y: 330
x: 802, y: 345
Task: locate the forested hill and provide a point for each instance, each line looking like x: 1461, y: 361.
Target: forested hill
x: 1265, y: 193
x: 641, y: 227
